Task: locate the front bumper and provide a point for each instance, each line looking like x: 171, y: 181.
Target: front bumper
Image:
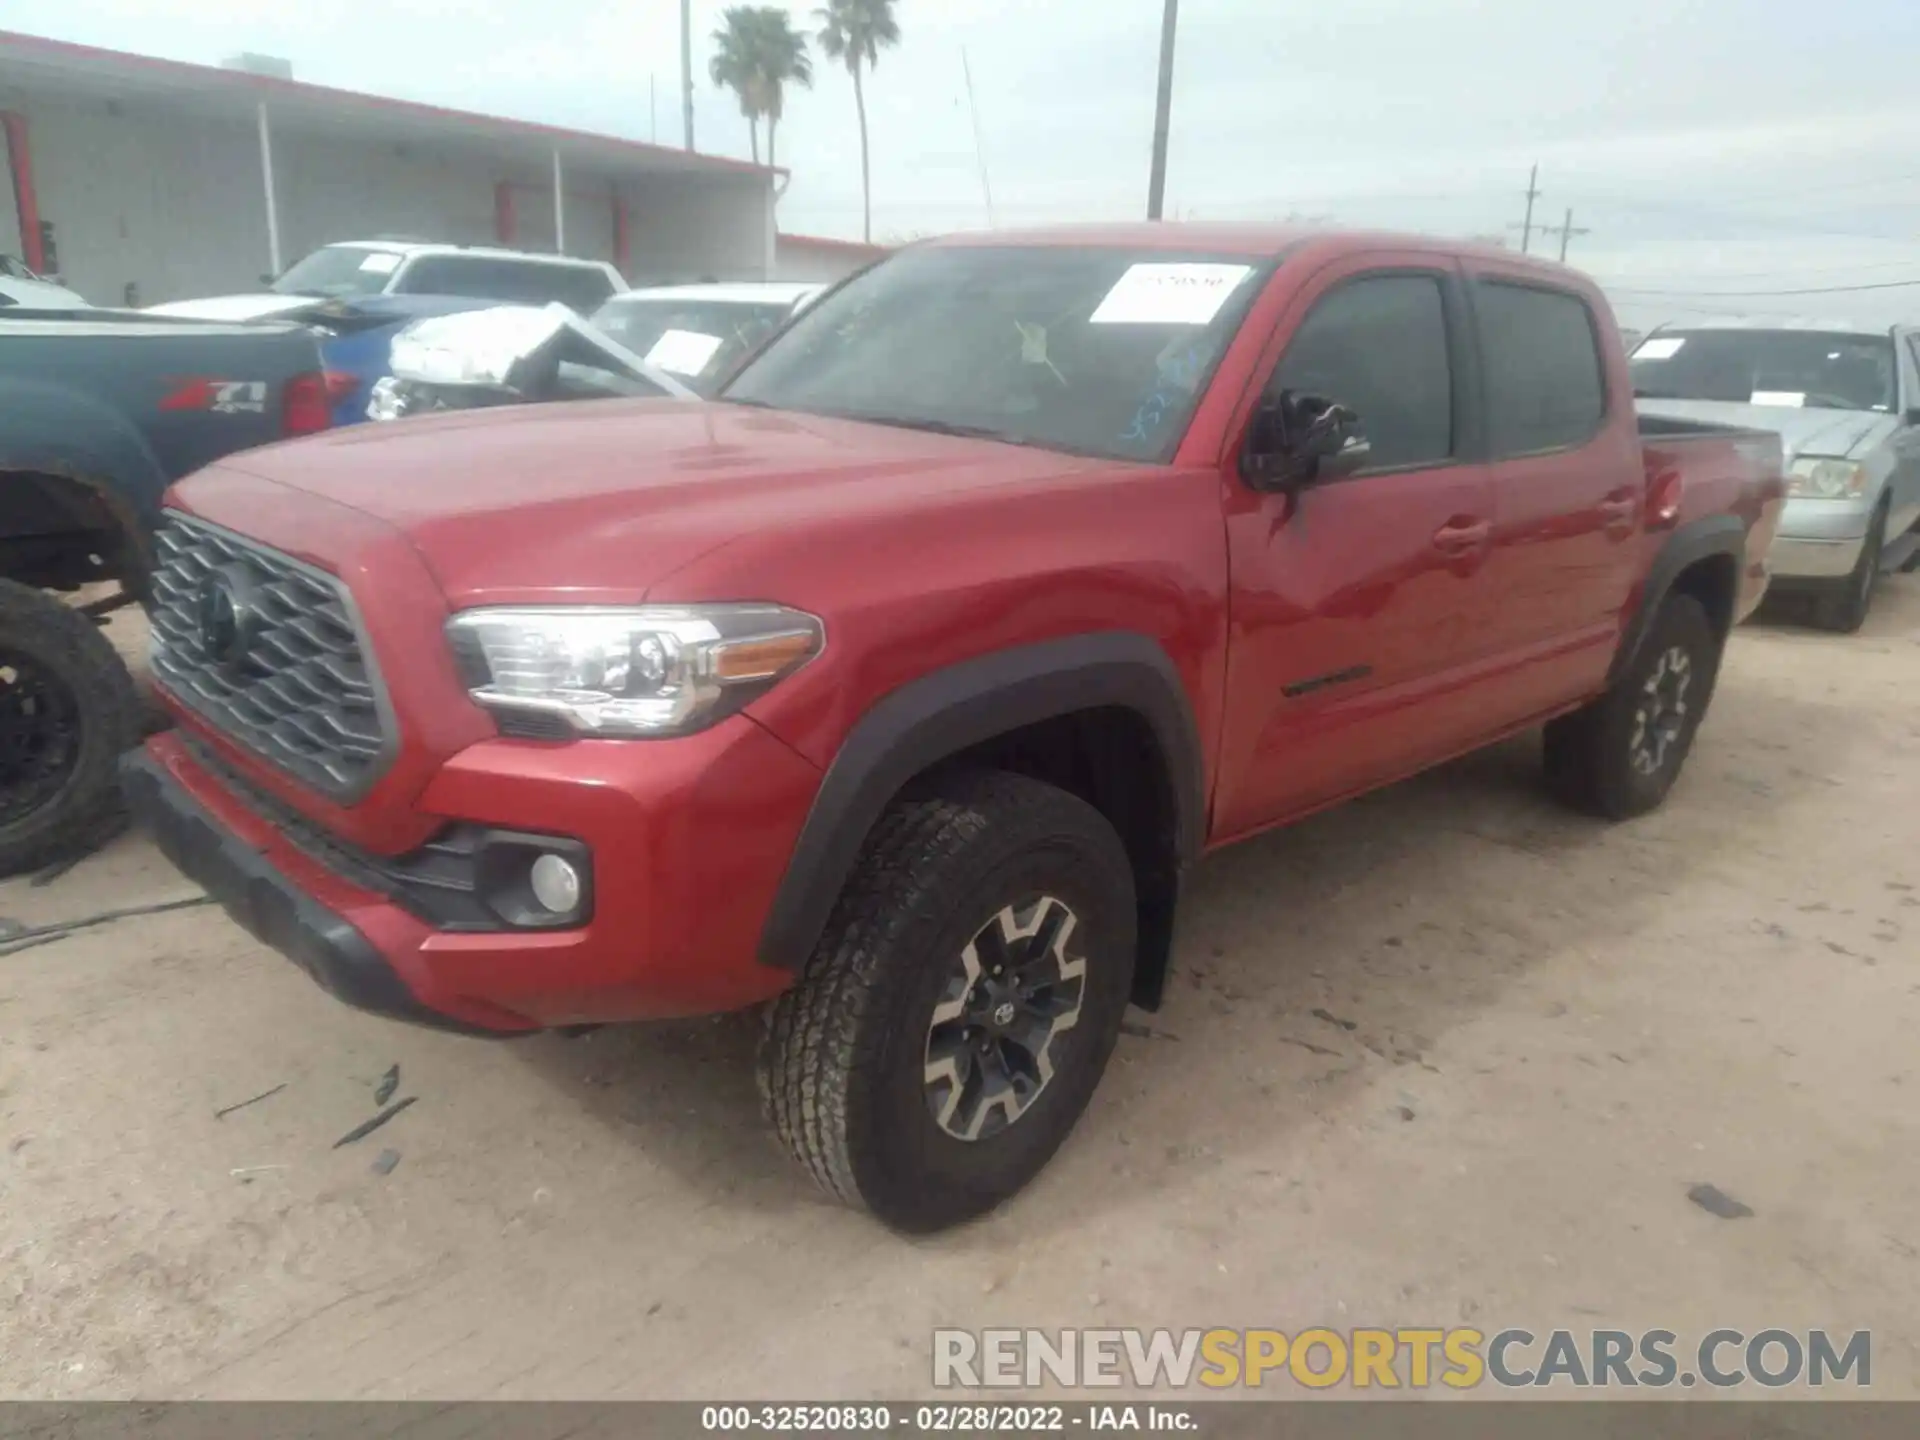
x: 264, y: 902
x: 1819, y: 539
x: 689, y: 841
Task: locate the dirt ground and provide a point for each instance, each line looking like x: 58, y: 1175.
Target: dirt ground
x: 1445, y: 1056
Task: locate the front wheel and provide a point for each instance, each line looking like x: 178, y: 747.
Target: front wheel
x: 1619, y: 756
x: 952, y: 1023
x: 67, y: 710
x: 1844, y: 608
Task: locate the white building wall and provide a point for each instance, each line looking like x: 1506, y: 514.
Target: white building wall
x: 685, y: 228
x: 146, y: 195
x: 131, y: 194
x: 348, y: 189
x: 798, y: 261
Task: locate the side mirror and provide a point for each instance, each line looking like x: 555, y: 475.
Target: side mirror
x: 1301, y: 440
x: 1913, y: 415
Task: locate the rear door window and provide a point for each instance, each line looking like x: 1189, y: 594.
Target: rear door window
x: 512, y: 282
x: 1546, y: 387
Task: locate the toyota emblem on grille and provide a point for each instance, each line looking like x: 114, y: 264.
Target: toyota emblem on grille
x: 227, y: 615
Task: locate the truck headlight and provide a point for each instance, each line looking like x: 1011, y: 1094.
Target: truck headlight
x: 651, y: 670
x: 1815, y: 479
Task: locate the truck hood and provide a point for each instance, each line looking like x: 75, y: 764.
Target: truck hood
x: 1843, y: 434
x: 236, y: 307
x: 600, y: 501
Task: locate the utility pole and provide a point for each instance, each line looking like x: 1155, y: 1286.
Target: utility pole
x: 1533, y: 193
x: 686, y: 68
x: 979, y: 149
x: 1157, y: 185
x: 1567, y: 231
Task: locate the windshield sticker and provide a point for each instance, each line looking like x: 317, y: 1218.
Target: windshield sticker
x: 683, y: 352
x: 1664, y: 348
x: 380, y: 262
x: 1793, y: 398
x: 1169, y: 294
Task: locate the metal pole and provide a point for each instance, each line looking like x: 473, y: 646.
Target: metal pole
x: 1526, y: 227
x: 559, y: 209
x: 1566, y: 234
x: 1157, y: 185
x: 686, y: 67
x: 266, y: 180
x: 653, y: 111
x: 979, y: 150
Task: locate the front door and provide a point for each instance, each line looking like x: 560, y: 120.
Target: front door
x: 1357, y: 605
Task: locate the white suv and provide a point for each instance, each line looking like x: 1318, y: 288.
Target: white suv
x: 356, y: 268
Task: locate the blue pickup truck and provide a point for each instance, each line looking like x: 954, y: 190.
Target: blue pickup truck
x: 100, y: 411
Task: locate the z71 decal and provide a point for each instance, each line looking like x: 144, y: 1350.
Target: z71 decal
x: 222, y: 397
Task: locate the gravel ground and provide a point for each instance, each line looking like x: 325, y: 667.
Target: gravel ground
x: 1444, y: 1056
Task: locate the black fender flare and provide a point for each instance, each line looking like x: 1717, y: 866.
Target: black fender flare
x: 946, y: 712
x: 1692, y: 542
x: 75, y: 439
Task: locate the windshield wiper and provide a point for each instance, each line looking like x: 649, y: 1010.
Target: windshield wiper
x: 938, y: 427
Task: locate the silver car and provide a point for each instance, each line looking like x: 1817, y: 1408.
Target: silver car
x: 1845, y: 401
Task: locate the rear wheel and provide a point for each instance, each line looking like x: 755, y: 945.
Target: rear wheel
x: 955, y: 1018
x: 1844, y: 607
x: 1619, y: 756
x: 67, y: 710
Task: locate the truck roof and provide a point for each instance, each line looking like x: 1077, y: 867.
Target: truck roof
x: 1263, y: 240
x: 1831, y: 325
x: 438, y: 247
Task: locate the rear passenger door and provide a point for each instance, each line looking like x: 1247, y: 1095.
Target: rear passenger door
x: 1569, y: 491
x: 1357, y: 604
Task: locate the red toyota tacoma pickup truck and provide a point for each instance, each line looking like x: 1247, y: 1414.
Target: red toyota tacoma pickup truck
x: 897, y: 688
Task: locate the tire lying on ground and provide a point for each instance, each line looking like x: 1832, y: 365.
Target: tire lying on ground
x: 951, y: 1025
x: 68, y: 708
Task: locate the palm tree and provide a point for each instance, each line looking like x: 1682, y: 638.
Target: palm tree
x: 735, y: 66
x: 757, y: 54
x: 853, y: 31
x: 783, y: 59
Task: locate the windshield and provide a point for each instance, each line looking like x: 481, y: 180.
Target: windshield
x: 1810, y: 368
x: 337, y: 271
x: 1091, y: 350
x: 696, y: 341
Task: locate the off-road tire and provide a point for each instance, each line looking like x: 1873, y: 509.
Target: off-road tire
x: 1590, y: 753
x: 843, y: 1054
x: 1843, y: 606
x: 68, y: 651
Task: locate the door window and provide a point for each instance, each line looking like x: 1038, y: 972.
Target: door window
x: 1378, y: 345
x: 1545, y: 385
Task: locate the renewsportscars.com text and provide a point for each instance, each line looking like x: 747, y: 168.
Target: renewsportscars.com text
x: 1459, y: 1358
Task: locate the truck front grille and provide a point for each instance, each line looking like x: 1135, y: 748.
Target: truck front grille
x: 268, y: 651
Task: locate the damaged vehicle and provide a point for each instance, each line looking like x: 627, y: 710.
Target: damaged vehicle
x: 896, y: 688
x: 510, y: 355
x: 697, y: 334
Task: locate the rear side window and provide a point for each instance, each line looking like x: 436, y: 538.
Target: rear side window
x: 1545, y: 386
x: 512, y: 282
x: 1378, y: 345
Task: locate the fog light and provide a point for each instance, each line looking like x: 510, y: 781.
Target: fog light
x: 556, y: 884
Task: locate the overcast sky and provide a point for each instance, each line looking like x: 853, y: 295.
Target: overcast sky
x: 1710, y: 146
